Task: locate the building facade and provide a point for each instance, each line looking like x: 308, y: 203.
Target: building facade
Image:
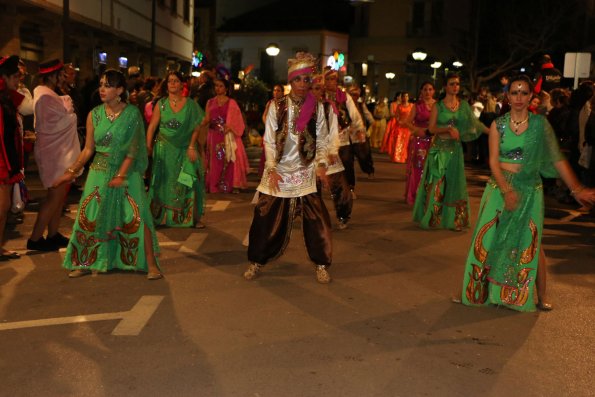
x: 99, y: 32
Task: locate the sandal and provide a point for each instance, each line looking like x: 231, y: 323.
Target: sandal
x: 76, y: 273
x: 9, y: 255
x: 154, y: 276
x: 545, y: 306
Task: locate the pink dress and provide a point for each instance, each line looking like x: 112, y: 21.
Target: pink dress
x: 227, y: 162
x: 418, y: 150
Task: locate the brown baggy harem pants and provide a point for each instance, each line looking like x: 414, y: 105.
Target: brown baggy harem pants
x: 273, y: 221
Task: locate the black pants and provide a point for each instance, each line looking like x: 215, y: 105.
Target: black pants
x: 364, y: 156
x: 346, y: 155
x: 341, y: 194
x: 273, y: 221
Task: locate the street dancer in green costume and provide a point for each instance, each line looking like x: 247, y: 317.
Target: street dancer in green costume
x: 506, y: 260
x: 442, y: 200
x: 113, y: 228
x: 177, y: 189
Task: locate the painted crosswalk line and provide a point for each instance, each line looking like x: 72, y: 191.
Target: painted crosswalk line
x: 131, y: 324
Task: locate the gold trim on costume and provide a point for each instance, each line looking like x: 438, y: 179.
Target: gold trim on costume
x: 477, y: 288
x: 84, y: 222
x: 478, y: 248
x: 132, y: 226
x: 528, y: 254
x: 514, y: 295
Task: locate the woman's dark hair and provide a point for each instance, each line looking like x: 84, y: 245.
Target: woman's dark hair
x: 451, y: 75
x: 559, y: 95
x: 150, y: 83
x: 226, y: 84
x: 582, y: 94
x: 116, y: 79
x: 421, y: 88
x: 521, y: 77
x: 425, y: 83
x: 176, y: 73
x: 163, y: 92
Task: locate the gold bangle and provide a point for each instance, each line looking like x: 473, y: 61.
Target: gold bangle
x: 71, y: 170
x: 576, y: 191
x: 118, y: 175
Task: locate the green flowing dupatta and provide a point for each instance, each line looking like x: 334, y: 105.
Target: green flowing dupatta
x: 176, y: 182
x: 442, y: 199
x: 110, y: 226
x: 128, y: 141
x: 469, y: 126
x: 508, y: 264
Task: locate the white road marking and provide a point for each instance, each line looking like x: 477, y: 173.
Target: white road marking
x: 132, y: 322
x: 168, y: 243
x: 193, y: 243
x: 219, y: 205
x: 138, y: 316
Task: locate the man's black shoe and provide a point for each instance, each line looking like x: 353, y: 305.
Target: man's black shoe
x: 41, y: 245
x: 59, y: 240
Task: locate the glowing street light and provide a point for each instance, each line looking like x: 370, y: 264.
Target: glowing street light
x: 457, y: 64
x: 419, y: 54
x: 390, y: 75
x: 273, y: 50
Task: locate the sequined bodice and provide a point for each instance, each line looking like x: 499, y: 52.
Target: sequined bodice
x: 511, y: 144
x: 218, y: 115
x: 422, y: 115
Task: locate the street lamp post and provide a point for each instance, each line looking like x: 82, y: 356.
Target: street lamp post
x: 419, y: 56
x: 389, y: 76
x: 435, y: 65
x: 272, y: 50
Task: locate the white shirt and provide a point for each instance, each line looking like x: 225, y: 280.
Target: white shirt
x: 298, y: 179
x: 356, y: 126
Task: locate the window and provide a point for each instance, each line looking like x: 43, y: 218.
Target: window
x: 267, y: 63
x: 174, y: 7
x: 418, y: 17
x: 235, y: 62
x: 186, y: 11
x: 437, y: 17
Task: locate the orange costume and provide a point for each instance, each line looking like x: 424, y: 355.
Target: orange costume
x: 400, y: 149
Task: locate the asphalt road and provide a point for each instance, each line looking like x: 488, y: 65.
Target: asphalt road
x: 384, y: 327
